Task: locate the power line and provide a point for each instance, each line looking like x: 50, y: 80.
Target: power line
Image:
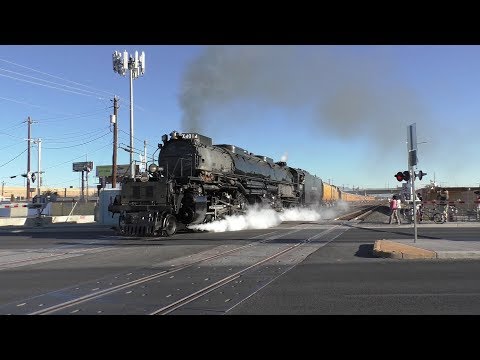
x: 59, y: 183
x: 66, y: 147
x: 38, y: 106
x: 57, y: 77
x: 78, y: 157
x: 68, y: 161
x: 13, y: 136
x: 13, y: 126
x: 137, y: 139
x: 21, y: 102
x: 71, y: 116
x: 52, y: 87
x: 13, y: 158
x: 49, y: 82
x: 8, y: 146
x: 78, y: 136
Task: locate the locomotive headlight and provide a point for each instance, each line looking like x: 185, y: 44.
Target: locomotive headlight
x: 153, y: 168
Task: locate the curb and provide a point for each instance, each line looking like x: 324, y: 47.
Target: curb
x: 47, y: 220
x: 395, y: 250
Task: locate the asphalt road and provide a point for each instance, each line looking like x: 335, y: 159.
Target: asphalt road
x: 334, y: 273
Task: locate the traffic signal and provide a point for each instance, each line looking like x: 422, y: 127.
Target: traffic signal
x: 406, y: 175
x: 399, y: 176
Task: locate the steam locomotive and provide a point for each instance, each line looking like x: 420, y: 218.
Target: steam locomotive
x: 197, y: 182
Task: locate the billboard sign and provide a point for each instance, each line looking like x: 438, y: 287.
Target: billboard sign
x: 81, y: 166
x: 106, y: 170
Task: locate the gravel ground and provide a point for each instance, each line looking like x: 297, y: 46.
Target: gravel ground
x: 380, y: 216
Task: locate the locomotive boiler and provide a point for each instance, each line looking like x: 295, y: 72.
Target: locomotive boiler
x: 196, y: 182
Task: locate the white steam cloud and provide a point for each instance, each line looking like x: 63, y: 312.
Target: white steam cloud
x: 262, y: 218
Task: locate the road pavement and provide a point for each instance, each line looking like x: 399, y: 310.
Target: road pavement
x: 422, y: 248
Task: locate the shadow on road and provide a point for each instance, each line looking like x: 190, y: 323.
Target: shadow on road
x: 365, y: 251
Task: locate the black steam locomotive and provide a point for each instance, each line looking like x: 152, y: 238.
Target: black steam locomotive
x: 197, y: 182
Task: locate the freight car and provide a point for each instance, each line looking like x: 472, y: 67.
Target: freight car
x: 196, y: 182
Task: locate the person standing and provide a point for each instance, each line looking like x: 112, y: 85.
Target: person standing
x: 443, y: 198
x: 394, y: 210
x: 419, y: 207
x: 478, y: 207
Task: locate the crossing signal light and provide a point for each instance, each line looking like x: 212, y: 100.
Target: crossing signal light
x: 33, y: 178
x: 399, y: 176
x: 406, y: 175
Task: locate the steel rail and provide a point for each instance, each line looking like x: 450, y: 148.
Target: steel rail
x: 162, y: 273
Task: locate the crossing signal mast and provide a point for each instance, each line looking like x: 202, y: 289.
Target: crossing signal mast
x: 412, y: 161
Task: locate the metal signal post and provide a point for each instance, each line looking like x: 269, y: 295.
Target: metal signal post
x: 412, y: 161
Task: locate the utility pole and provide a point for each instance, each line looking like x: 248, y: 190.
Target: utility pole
x: 29, y: 122
x: 82, y: 196
x: 3, y: 186
x: 145, y: 155
x: 115, y: 139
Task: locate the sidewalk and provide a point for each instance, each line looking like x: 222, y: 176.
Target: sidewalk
x: 427, y: 249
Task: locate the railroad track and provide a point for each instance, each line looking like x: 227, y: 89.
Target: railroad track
x: 359, y: 214
x: 82, y: 301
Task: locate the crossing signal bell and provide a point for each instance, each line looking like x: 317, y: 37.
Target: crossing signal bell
x: 420, y: 175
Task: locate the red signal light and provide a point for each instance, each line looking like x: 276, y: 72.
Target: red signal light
x: 399, y: 176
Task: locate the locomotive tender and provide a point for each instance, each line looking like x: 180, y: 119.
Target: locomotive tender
x: 197, y: 182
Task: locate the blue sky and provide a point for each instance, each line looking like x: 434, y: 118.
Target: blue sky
x: 340, y: 112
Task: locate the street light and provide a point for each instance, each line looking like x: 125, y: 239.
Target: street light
x: 136, y: 65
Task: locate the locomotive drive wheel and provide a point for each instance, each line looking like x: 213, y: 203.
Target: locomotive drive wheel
x: 242, y: 202
x: 170, y: 225
x: 121, y: 224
